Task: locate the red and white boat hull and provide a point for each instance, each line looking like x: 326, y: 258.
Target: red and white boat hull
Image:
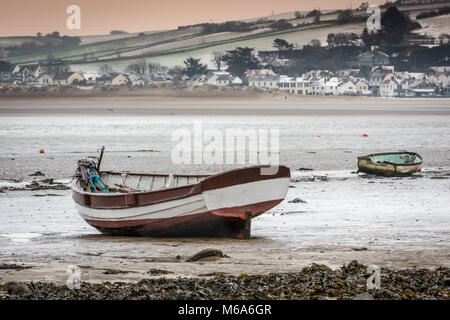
x: 220, y: 205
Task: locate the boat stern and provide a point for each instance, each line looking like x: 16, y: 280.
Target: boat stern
x: 246, y: 192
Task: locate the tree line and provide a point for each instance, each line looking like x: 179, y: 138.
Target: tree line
x: 395, y: 25
x: 434, y: 13
x: 42, y: 43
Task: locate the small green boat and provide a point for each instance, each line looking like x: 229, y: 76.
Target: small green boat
x: 390, y: 164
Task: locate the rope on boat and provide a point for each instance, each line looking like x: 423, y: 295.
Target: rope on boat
x: 87, y: 172
x: 94, y: 180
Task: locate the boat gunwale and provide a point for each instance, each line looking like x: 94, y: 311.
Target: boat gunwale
x: 191, y: 190
x: 76, y: 188
x: 157, y: 174
x: 79, y: 190
x: 112, y: 194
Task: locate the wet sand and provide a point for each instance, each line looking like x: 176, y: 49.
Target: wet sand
x: 260, y: 104
x: 391, y: 222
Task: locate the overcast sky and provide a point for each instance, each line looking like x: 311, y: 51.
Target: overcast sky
x: 27, y: 17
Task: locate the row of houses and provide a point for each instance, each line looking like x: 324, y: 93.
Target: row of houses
x: 312, y: 85
x: 35, y: 76
x: 383, y: 81
x: 215, y: 78
x: 404, y: 84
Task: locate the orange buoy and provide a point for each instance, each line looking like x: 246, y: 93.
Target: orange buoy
x: 41, y: 151
x: 364, y: 134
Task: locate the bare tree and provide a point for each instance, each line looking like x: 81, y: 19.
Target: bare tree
x: 217, y: 59
x: 269, y: 60
x: 49, y: 62
x: 104, y: 69
x: 154, y: 67
x: 140, y: 67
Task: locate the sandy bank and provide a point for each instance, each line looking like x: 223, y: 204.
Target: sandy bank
x: 174, y: 96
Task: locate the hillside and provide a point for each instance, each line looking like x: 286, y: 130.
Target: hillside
x: 436, y: 25
x: 172, y: 47
x: 173, y: 54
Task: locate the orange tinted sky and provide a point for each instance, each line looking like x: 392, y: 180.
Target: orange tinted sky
x: 27, y: 17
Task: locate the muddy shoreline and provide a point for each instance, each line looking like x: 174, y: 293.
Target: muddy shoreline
x: 199, y: 101
x: 327, y: 218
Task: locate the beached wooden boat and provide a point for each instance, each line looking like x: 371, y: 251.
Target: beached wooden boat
x: 390, y: 164
x: 179, y: 205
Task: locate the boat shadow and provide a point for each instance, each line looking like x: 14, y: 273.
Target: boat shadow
x: 167, y: 240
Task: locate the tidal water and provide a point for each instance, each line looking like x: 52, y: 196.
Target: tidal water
x: 145, y: 142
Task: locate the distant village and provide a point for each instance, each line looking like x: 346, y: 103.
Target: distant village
x: 390, y: 62
x: 383, y: 79
x: 393, y: 61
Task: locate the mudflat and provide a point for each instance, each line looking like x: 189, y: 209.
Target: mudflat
x: 331, y: 215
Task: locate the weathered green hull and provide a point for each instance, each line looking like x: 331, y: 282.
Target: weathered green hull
x: 375, y: 164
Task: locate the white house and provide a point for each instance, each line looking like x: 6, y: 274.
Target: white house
x: 303, y: 86
x: 286, y: 83
x: 378, y: 75
x: 362, y: 86
x: 236, y: 81
x: 115, y: 79
x: 347, y: 88
x: 389, y: 88
x: 136, y: 80
x: 444, y: 80
x: 221, y: 80
x: 325, y: 86
x: 44, y: 80
x: 411, y: 75
x: 267, y: 81
x: 331, y: 86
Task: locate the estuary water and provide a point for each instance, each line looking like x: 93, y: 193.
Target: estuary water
x: 145, y: 142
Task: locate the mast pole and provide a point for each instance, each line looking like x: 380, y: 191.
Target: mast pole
x: 100, y: 158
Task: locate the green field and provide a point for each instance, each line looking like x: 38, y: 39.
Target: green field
x: 172, y: 47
